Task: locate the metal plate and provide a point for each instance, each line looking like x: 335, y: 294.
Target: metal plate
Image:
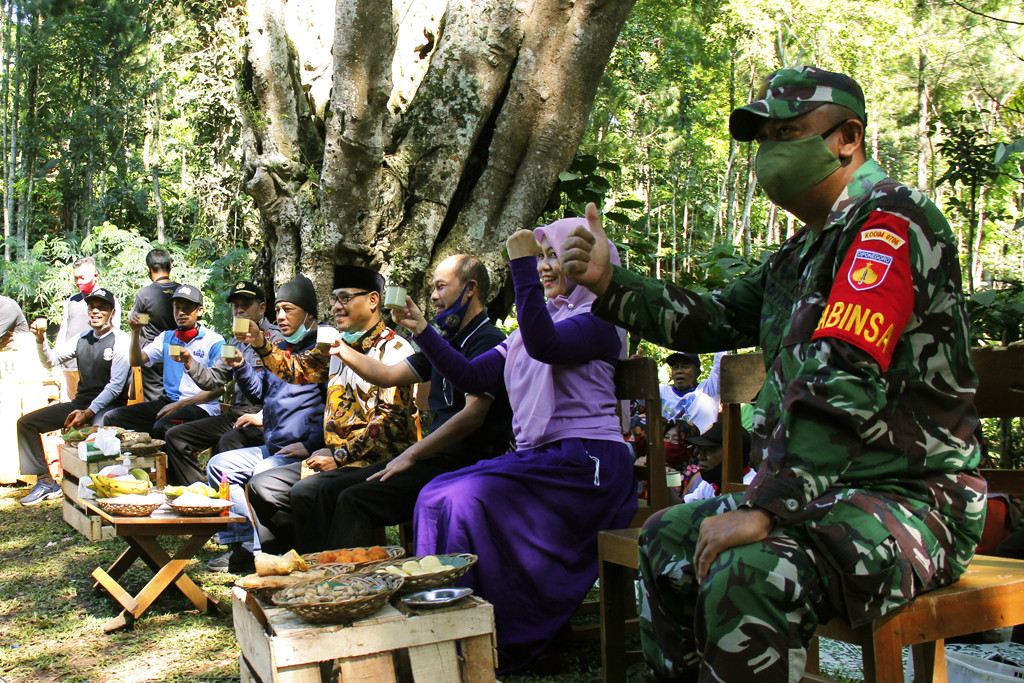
x: 436, y: 598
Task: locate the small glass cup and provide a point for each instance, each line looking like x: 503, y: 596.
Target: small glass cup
x: 326, y: 335
x: 240, y: 326
x: 229, y: 352
x: 39, y: 324
x: 175, y: 351
x: 394, y: 297
x: 143, y: 318
x: 673, y: 478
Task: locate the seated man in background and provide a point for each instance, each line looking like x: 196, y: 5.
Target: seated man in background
x: 182, y: 399
x: 102, y: 354
x: 363, y: 424
x: 341, y: 508
x: 293, y: 417
x: 683, y: 402
x: 240, y: 427
x: 708, y: 483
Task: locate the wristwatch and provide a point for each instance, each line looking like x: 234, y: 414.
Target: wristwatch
x: 341, y: 456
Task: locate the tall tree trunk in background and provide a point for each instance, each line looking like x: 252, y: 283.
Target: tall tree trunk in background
x: 29, y: 156
x: 12, y: 142
x: 379, y: 134
x: 7, y: 109
x: 748, y: 202
x: 923, y: 141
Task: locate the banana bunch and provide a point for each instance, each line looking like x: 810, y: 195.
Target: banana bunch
x: 198, y: 487
x: 105, y: 487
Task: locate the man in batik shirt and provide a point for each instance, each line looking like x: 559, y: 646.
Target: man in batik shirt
x: 363, y: 424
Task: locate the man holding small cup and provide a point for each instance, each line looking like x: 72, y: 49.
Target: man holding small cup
x: 242, y: 426
x: 102, y: 353
x: 182, y: 399
x: 293, y: 414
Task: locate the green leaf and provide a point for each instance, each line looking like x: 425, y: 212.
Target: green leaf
x: 984, y: 298
x: 565, y: 176
x: 610, y: 166
x: 617, y: 217
x: 629, y: 204
x: 1004, y: 152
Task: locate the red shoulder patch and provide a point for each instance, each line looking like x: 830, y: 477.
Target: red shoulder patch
x: 872, y: 296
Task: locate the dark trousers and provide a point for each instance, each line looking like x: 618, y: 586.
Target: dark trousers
x: 152, y: 382
x: 338, y: 508
x: 31, y: 427
x: 217, y: 432
x: 142, y: 417
x: 267, y: 494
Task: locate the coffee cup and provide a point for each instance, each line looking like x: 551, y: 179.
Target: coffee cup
x: 175, y: 351
x: 326, y: 335
x: 673, y: 478
x: 240, y: 326
x: 229, y: 352
x: 143, y: 318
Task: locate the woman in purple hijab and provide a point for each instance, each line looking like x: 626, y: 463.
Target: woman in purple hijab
x: 532, y: 515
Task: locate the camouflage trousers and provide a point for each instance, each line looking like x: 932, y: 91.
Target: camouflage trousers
x: 755, y: 613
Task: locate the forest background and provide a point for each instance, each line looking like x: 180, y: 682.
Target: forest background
x: 126, y: 124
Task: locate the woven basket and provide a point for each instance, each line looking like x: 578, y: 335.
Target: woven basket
x: 251, y: 583
x: 112, y: 507
x: 217, y: 506
x: 393, y: 551
x: 458, y: 564
x: 371, y: 591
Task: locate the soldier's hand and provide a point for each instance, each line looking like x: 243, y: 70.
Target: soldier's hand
x: 522, y: 243
x: 585, y: 254
x: 728, y: 530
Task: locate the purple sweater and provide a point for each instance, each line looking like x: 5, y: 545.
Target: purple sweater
x: 580, y: 351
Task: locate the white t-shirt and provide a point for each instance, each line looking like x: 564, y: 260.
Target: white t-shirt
x: 703, y: 489
x: 694, y: 406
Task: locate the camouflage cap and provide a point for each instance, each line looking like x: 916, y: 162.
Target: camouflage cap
x: 790, y: 92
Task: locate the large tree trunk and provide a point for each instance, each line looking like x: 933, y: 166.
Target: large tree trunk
x: 382, y: 133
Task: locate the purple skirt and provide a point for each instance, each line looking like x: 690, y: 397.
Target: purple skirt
x: 532, y: 518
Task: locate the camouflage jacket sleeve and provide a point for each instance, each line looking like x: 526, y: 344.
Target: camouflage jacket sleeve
x: 681, y: 319
x: 863, y: 402
x: 308, y: 367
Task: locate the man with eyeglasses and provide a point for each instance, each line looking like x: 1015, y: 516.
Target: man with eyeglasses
x: 363, y: 424
x: 867, y: 492
x: 341, y: 508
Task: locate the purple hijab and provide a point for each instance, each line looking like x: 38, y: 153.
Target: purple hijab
x: 531, y: 388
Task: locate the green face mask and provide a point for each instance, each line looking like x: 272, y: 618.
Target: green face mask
x: 786, y: 169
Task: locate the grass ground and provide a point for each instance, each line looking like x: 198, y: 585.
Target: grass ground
x: 51, y: 620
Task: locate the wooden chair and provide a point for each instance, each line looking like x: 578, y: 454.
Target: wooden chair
x: 636, y: 379
x: 990, y: 595
x: 618, y: 550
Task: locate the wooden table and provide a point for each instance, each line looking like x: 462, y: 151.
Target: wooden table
x: 140, y: 533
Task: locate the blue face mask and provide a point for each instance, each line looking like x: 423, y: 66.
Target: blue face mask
x: 352, y: 337
x: 449, y: 320
x: 297, y: 335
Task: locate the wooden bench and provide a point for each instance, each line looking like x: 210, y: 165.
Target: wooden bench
x: 989, y: 596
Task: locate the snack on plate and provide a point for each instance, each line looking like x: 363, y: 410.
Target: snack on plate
x: 279, y: 565
x: 353, y: 555
x: 275, y: 582
x: 425, y: 565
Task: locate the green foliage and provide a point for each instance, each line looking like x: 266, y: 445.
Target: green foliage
x: 42, y: 280
x: 997, y: 315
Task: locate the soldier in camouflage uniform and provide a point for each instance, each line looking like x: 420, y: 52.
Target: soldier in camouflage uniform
x: 867, y: 493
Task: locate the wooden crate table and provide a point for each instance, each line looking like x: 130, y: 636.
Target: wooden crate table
x: 140, y: 533
x: 450, y: 645
x: 75, y: 513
